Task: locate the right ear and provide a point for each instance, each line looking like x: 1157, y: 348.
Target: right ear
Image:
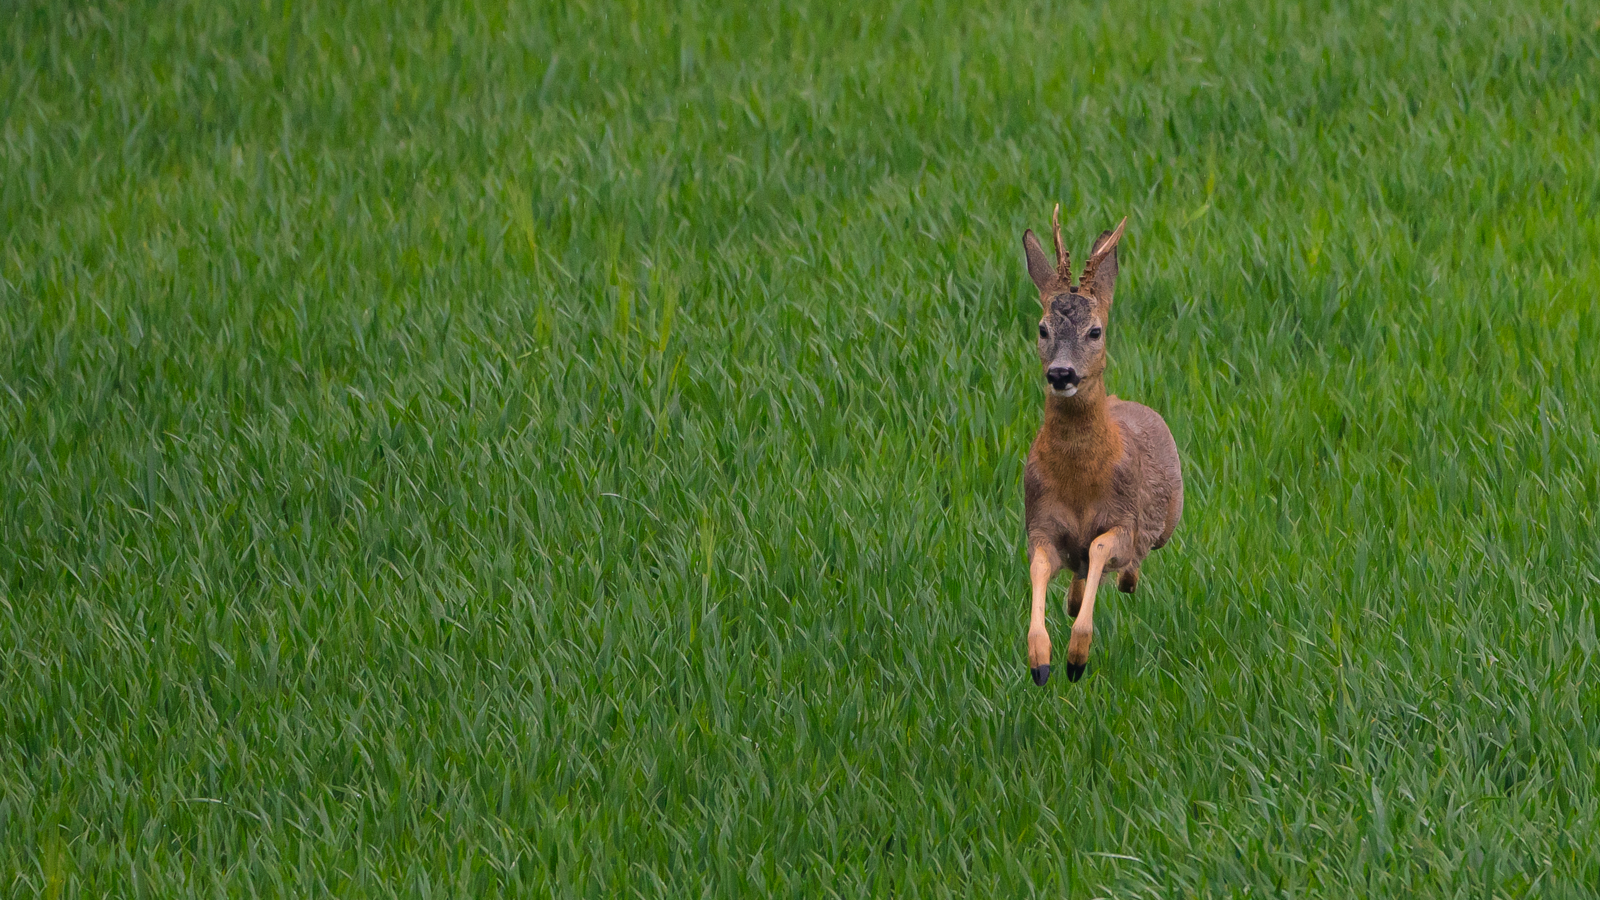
x: 1040, y: 269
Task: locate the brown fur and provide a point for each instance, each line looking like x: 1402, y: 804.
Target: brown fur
x: 1103, y: 484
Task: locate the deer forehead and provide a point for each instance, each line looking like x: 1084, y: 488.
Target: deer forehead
x: 1075, y: 309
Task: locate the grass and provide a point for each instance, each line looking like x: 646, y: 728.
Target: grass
x: 576, y: 450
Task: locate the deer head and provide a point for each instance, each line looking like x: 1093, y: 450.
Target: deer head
x: 1072, y: 346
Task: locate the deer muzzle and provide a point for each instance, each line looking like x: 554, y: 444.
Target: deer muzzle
x: 1063, y: 379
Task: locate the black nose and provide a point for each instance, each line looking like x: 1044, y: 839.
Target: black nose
x: 1061, y: 376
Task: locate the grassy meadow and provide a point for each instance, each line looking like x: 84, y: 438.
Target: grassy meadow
x: 575, y: 449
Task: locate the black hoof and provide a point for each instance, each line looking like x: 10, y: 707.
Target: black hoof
x: 1075, y: 672
x: 1041, y: 674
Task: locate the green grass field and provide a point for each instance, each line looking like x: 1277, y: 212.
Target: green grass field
x: 576, y: 451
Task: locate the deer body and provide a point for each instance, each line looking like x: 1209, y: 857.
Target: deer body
x: 1103, y: 484
x: 1132, y: 481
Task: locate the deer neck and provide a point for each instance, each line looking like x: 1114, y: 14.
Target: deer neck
x: 1081, y: 443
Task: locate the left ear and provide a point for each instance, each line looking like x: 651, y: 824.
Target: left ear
x: 1100, y: 273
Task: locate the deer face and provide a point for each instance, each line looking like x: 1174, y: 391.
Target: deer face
x: 1072, y: 344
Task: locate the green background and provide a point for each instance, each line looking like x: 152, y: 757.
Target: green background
x: 576, y: 450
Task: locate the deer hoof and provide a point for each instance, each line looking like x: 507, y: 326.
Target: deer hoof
x: 1041, y: 674
x: 1074, y: 672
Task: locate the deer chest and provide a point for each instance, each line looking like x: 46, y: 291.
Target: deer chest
x: 1069, y: 523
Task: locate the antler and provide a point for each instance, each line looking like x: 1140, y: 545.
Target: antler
x: 1063, y: 258
x: 1102, y: 249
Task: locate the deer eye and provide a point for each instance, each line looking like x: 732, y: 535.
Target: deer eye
x: 1044, y: 333
x: 1094, y: 333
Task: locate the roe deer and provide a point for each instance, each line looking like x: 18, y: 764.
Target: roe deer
x: 1103, y: 486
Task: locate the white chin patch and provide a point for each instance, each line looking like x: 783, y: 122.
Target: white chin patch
x: 1070, y: 390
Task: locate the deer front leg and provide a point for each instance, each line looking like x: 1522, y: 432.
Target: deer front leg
x: 1107, y: 548
x: 1046, y: 562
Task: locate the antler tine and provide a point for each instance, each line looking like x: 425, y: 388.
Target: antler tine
x: 1096, y: 255
x: 1063, y: 258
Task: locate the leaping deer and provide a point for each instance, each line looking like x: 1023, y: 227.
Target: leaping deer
x: 1103, y: 485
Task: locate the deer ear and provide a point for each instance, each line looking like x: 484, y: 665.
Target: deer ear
x: 1100, y: 273
x: 1040, y: 269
